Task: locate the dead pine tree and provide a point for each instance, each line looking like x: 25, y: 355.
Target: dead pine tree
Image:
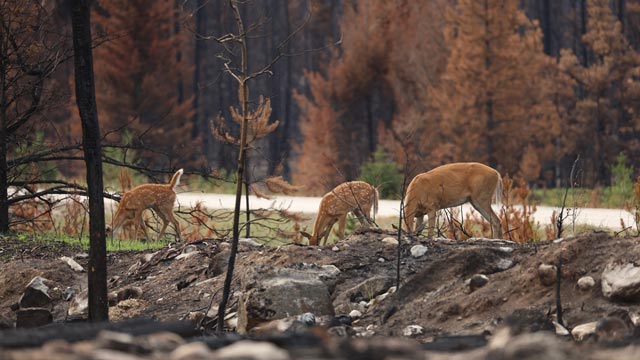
x: 254, y: 124
x: 86, y: 100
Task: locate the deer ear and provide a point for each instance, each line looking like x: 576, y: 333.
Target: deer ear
x: 305, y: 234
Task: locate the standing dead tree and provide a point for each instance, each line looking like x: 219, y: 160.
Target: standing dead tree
x: 86, y: 100
x: 253, y: 124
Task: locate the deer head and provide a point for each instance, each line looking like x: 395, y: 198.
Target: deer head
x: 354, y: 196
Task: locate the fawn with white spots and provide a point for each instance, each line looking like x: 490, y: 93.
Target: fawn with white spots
x: 353, y: 196
x: 452, y: 185
x: 159, y: 197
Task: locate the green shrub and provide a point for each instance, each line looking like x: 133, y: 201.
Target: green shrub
x: 383, y: 173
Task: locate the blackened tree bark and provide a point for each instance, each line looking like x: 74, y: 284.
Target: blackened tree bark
x: 86, y: 100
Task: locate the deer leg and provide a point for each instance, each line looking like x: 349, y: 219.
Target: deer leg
x: 432, y: 224
x: 325, y: 234
x: 144, y: 228
x: 484, y: 208
x: 341, y: 226
x: 176, y: 224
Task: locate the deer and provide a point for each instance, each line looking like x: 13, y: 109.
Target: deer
x: 158, y: 197
x: 358, y: 197
x: 452, y: 185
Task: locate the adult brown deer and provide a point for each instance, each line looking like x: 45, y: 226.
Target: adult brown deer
x: 159, y: 197
x: 452, y: 185
x: 353, y: 196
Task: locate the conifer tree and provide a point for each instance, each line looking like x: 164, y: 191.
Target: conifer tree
x: 605, y: 116
x: 493, y: 98
x: 142, y: 78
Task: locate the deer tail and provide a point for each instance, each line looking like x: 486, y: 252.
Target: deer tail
x: 497, y: 195
x: 376, y: 198
x: 175, y: 179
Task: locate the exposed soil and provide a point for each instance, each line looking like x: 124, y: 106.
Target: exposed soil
x: 433, y: 292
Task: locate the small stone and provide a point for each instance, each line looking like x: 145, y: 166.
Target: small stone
x: 547, y: 274
x: 580, y: 332
x: 561, y: 330
x: 255, y: 350
x: 586, y: 283
x: 355, y: 314
x: 308, y: 319
x: 72, y: 264
x: 381, y: 260
x: 335, y: 249
x: 331, y: 270
x: 413, y: 330
x: 192, y: 351
x: 33, y: 317
x: 390, y: 241
x: 477, y: 281
x: 418, y: 250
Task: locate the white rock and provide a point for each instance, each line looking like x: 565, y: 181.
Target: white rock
x: 72, y: 264
x: 247, y: 349
x: 506, y: 249
x: 195, y: 350
x: 355, y: 314
x: 561, y: 330
x: 586, y: 283
x: 413, y: 330
x: 335, y: 248
x: 390, y: 241
x: 504, y: 264
x: 418, y: 250
x: 381, y: 260
x: 621, y: 282
x: 581, y: 331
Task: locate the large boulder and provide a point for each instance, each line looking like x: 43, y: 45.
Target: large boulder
x: 621, y: 282
x: 33, y: 317
x: 279, y: 293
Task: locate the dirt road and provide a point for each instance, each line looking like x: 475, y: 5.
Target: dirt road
x: 610, y: 218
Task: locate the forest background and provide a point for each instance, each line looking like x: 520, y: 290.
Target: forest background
x: 525, y: 86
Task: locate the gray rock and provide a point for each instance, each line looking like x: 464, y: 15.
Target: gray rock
x: 539, y: 345
x: 621, y: 282
x: 612, y: 328
x: 477, y: 281
x: 36, y: 294
x: 547, y: 274
x: 251, y: 350
x: 280, y: 293
x: 33, y: 317
x: 250, y: 242
x: 418, y: 250
x: 586, y: 283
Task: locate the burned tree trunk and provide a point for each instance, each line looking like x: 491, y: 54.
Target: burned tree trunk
x: 86, y: 100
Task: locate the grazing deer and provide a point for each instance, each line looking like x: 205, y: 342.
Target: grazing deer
x: 159, y: 197
x: 452, y: 185
x: 354, y: 196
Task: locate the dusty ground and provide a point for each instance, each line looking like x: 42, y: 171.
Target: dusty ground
x: 433, y: 292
